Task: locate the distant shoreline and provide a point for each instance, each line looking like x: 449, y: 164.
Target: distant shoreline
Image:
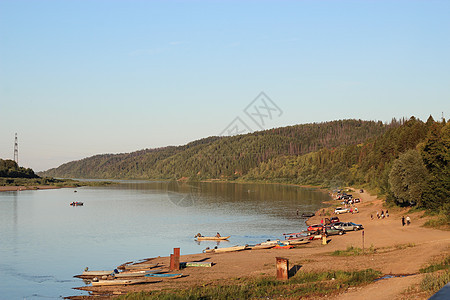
x: 14, y: 188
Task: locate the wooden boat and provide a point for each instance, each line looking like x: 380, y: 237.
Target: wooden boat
x: 283, y: 246
x: 260, y: 246
x: 138, y: 266
x: 97, y: 273
x: 196, y: 264
x: 223, y: 250
x: 118, y: 282
x: 135, y: 273
x: 212, y: 238
x: 273, y: 243
x: 76, y: 203
x: 164, y: 275
x: 298, y: 242
x: 308, y: 215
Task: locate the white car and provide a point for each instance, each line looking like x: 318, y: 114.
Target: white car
x: 341, y: 210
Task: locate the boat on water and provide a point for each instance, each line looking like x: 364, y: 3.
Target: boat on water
x: 119, y: 282
x: 223, y: 250
x: 212, y: 238
x: 76, y: 203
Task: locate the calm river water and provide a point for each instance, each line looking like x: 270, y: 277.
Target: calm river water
x: 45, y: 241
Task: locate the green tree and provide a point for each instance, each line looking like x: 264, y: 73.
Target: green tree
x: 408, y: 178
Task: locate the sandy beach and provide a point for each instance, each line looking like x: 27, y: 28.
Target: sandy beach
x: 400, y: 251
x: 10, y: 188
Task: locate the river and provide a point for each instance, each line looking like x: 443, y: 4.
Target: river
x: 45, y: 241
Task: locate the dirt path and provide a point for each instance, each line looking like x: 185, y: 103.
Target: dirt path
x: 400, y: 250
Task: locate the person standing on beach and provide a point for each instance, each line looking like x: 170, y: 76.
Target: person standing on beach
x: 403, y: 220
x: 408, y: 220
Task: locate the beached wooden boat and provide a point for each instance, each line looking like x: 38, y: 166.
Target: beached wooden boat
x: 164, y: 275
x: 212, y: 238
x: 308, y: 215
x: 260, y: 246
x: 223, y: 250
x: 136, y: 273
x: 273, y: 243
x: 138, y: 266
x: 118, y: 282
x: 298, y: 242
x: 196, y: 264
x: 283, y: 246
x: 97, y: 273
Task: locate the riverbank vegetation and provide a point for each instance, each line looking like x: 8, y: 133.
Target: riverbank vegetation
x: 13, y: 175
x: 300, y: 285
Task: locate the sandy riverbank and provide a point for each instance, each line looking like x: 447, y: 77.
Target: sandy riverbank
x: 400, y: 250
x: 10, y: 188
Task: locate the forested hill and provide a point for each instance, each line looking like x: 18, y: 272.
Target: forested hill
x: 10, y: 169
x: 224, y: 157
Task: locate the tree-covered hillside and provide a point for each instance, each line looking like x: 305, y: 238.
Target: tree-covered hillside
x: 408, y: 164
x: 10, y: 169
x: 224, y: 157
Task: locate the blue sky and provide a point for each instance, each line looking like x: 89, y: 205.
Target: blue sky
x: 79, y: 78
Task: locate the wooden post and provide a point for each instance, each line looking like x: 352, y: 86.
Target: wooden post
x: 282, y: 268
x: 363, y: 240
x: 175, y: 259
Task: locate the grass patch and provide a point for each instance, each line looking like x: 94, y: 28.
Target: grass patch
x: 300, y: 285
x: 433, y: 282
x: 354, y: 251
x: 436, y: 266
x: 440, y: 221
x: 404, y: 246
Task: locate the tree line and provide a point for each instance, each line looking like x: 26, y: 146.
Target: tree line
x: 10, y: 169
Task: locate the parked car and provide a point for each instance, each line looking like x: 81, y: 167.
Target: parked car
x: 348, y: 226
x: 315, y: 227
x: 334, y: 219
x: 341, y: 210
x: 331, y: 230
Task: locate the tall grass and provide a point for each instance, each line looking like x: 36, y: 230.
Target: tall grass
x: 300, y: 285
x: 354, y: 251
x: 436, y: 266
x: 435, y: 281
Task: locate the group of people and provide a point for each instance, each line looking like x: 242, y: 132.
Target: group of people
x: 408, y: 220
x: 381, y: 215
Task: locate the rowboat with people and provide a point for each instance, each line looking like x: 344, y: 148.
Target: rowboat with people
x: 217, y: 237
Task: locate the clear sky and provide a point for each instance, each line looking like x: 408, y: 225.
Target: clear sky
x: 79, y: 78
